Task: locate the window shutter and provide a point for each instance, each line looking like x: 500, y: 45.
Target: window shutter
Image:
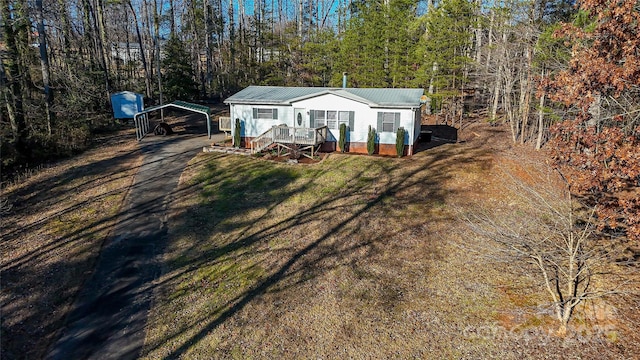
x: 312, y: 118
x: 255, y: 113
x: 396, y: 123
x: 275, y: 114
x: 352, y: 115
x: 379, y: 129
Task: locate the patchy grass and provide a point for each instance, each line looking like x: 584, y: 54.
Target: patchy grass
x: 51, y: 238
x: 353, y: 257
x: 300, y: 259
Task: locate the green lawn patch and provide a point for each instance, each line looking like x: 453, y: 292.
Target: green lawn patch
x: 328, y: 260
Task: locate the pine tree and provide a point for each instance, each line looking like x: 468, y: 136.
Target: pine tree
x: 318, y: 57
x: 447, y: 43
x: 377, y: 47
x: 178, y: 77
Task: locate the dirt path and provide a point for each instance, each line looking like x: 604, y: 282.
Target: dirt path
x: 109, y: 316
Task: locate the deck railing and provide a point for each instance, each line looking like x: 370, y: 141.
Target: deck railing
x: 289, y: 135
x: 261, y: 142
x: 224, y: 123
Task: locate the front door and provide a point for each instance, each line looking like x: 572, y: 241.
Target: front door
x: 301, y: 119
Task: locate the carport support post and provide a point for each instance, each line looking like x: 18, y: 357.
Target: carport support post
x: 135, y: 123
x: 208, y: 125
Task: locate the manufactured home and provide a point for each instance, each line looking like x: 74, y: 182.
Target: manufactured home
x: 311, y: 116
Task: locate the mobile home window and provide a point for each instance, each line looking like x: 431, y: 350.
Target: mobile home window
x: 332, y: 118
x: 388, y: 121
x: 266, y: 114
x: 343, y: 118
x: 320, y: 118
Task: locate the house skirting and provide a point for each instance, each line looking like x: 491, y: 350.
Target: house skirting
x: 380, y: 149
x: 353, y: 147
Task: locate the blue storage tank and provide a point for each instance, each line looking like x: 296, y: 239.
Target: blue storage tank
x: 126, y: 104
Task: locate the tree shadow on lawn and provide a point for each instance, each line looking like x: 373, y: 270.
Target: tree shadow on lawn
x: 40, y: 283
x: 90, y: 172
x: 389, y: 193
x: 22, y: 197
x: 35, y: 289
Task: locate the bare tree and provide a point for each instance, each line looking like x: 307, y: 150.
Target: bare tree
x: 143, y: 56
x: 545, y: 234
x: 46, y: 72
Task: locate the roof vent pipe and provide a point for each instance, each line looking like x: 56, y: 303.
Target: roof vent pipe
x: 344, y: 80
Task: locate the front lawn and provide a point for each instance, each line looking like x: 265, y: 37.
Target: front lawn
x: 353, y: 257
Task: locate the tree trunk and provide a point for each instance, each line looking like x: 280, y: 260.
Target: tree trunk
x: 490, y: 42
x: 172, y: 19
x: 147, y: 23
x: 89, y: 34
x: 540, y: 117
x: 143, y: 55
x: 500, y: 70
x: 46, y: 72
x: 66, y: 32
x: 232, y: 39
x: 496, y: 94
x: 102, y: 45
x: 195, y: 48
x: 525, y: 98
x: 241, y: 22
x: 434, y: 69
x: 478, y: 31
x: 527, y: 87
x: 506, y: 100
x: 156, y: 36
x: 207, y: 48
x: 300, y: 19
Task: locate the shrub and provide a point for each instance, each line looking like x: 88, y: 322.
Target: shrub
x: 371, y: 141
x: 400, y: 141
x: 342, y: 142
x: 236, y: 134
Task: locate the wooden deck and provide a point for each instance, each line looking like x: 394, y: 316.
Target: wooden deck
x: 299, y: 139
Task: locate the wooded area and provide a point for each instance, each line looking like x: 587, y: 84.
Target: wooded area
x: 534, y: 65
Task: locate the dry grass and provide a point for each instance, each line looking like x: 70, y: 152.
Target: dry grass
x: 354, y: 257
x: 51, y: 237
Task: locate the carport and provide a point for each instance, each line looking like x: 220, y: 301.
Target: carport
x: 141, y: 119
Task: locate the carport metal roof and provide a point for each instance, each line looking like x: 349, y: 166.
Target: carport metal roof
x: 142, y: 122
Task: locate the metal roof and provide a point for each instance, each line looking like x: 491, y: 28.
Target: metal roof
x: 279, y: 95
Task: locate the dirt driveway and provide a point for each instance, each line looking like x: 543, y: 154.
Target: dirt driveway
x: 109, y: 316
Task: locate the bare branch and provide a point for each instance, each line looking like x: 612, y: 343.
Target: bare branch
x: 541, y: 232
